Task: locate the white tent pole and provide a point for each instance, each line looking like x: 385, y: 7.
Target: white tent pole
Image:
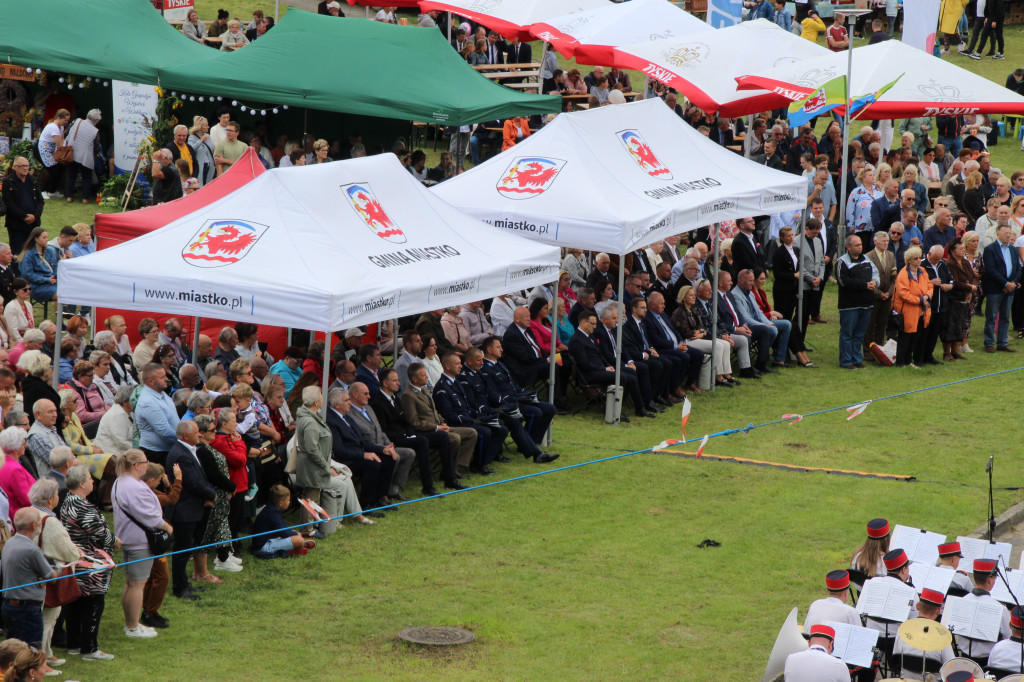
x: 800, y: 279
x: 366, y: 15
x: 554, y: 345
x: 617, y: 411
x: 195, y: 340
x: 714, y: 296
x: 394, y: 342
x: 543, y: 53
x: 327, y: 371
x: 277, y: 11
x: 841, y: 230
x: 56, y: 348
x: 449, y: 27
x: 647, y: 84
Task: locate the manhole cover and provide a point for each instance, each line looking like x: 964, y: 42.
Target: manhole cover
x: 437, y: 635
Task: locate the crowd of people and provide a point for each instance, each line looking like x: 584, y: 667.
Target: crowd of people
x: 876, y: 561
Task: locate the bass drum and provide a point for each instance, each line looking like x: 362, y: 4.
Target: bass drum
x: 955, y: 664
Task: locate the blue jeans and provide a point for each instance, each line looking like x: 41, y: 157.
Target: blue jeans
x: 997, y: 304
x: 274, y: 545
x: 953, y: 145
x: 853, y: 324
x: 781, y: 344
x: 23, y: 622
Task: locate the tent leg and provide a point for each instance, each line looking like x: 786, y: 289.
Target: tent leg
x: 195, y: 340
x: 549, y: 436
x: 56, y: 348
x: 800, y: 280
x: 612, y: 416
x: 394, y: 342
x: 277, y: 11
x: 647, y: 85
x: 540, y: 84
x: 714, y: 297
x: 449, y: 27
x: 327, y: 371
x: 841, y: 231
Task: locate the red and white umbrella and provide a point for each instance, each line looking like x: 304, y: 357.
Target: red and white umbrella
x: 511, y: 18
x: 929, y: 86
x: 592, y: 36
x: 704, y: 67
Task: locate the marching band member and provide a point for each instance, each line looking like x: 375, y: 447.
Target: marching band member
x: 817, y: 663
x: 984, y: 580
x: 897, y: 568
x: 1005, y: 655
x: 950, y: 555
x: 834, y: 606
x: 868, y: 559
x: 929, y: 606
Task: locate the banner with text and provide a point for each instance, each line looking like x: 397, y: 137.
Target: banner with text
x: 134, y: 105
x: 722, y: 13
x: 177, y: 10
x: 920, y: 18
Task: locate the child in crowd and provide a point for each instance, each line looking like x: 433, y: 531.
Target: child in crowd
x: 189, y: 183
x: 278, y: 543
x: 156, y: 587
x: 248, y: 423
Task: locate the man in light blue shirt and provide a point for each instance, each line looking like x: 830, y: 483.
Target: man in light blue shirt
x: 155, y: 415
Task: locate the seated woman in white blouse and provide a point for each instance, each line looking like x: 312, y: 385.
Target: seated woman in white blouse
x: 18, y: 314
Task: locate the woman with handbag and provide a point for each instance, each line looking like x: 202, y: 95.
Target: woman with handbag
x: 913, y: 302
x: 85, y: 143
x: 52, y: 150
x: 88, y: 530
x: 58, y: 548
x: 136, y: 508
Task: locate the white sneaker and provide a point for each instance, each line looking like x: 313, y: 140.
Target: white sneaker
x: 140, y: 631
x: 74, y: 652
x: 98, y: 656
x: 219, y: 565
x: 233, y: 559
x: 46, y: 195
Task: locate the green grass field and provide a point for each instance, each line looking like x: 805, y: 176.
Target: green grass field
x: 594, y: 573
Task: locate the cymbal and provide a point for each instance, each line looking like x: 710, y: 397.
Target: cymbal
x: 925, y: 635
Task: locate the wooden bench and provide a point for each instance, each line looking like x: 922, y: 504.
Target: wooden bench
x: 499, y: 67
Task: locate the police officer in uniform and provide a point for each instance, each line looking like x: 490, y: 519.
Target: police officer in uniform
x: 452, y: 404
x: 817, y: 663
x: 537, y: 413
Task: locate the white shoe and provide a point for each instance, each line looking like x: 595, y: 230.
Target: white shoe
x: 219, y: 565
x: 140, y: 631
x: 46, y: 195
x: 233, y: 559
x: 966, y: 349
x: 74, y: 652
x: 98, y: 656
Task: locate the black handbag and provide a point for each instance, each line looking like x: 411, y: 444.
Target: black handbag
x: 159, y: 540
x: 895, y: 325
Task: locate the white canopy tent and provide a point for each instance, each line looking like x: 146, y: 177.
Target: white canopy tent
x: 322, y: 247
x: 591, y: 37
x: 704, y: 66
x: 616, y: 179
x: 928, y: 86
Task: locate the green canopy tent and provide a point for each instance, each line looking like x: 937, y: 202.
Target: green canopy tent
x: 344, y: 65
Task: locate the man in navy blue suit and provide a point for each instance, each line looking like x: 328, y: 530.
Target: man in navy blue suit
x: 587, y: 357
x: 364, y: 458
x: 1000, y: 282
x: 188, y: 516
x: 369, y: 365
x: 454, y: 407
x: 666, y: 340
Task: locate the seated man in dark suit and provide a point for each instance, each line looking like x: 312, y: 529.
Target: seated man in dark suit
x: 524, y: 356
x: 187, y: 515
x: 453, y: 405
x: 481, y: 392
x: 666, y: 373
x: 511, y: 396
x: 606, y: 336
x: 591, y: 365
x: 722, y: 134
x: 601, y: 274
x: 365, y: 459
x: 369, y: 364
x: 585, y: 300
x: 665, y: 339
x: 730, y: 328
x: 398, y: 428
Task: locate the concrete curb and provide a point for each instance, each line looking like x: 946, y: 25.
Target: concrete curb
x: 1004, y: 522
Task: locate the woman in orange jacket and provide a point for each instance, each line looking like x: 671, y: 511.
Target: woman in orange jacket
x: 913, y: 300
x: 516, y: 129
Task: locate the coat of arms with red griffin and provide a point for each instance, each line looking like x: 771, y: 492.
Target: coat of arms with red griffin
x: 222, y: 242
x: 370, y: 211
x: 642, y: 154
x: 528, y: 176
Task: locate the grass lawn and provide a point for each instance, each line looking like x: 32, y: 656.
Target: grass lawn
x: 594, y: 573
